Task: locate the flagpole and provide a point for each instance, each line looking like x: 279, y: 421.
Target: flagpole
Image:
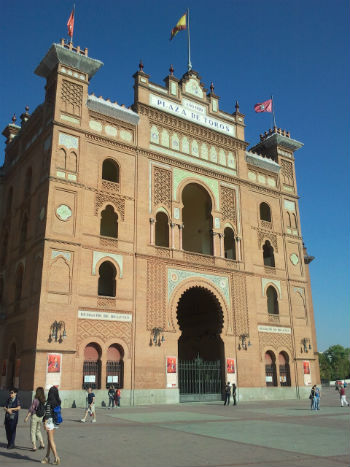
x: 74, y: 20
x: 189, y: 66
x: 273, y: 112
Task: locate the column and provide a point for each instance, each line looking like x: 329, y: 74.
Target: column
x: 152, y: 221
x: 172, y: 235
x: 222, y: 247
x: 238, y: 245
x: 181, y: 226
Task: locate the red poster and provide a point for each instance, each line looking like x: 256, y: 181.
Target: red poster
x: 53, y: 363
x: 306, y: 368
x: 230, y: 365
x: 171, y: 365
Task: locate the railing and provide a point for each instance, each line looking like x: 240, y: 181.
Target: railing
x: 199, y: 377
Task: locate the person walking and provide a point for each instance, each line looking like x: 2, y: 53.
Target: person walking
x: 117, y: 397
x: 312, y: 397
x: 317, y: 398
x: 53, y: 401
x: 342, y: 395
x: 91, y: 407
x: 111, y: 396
x: 227, y: 393
x: 234, y: 393
x: 36, y: 414
x: 12, y: 407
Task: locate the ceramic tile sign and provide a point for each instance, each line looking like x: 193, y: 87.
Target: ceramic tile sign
x: 171, y: 372
x: 307, y: 373
x: 230, y: 370
x: 53, y: 370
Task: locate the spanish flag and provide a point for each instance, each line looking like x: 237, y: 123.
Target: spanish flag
x: 181, y: 24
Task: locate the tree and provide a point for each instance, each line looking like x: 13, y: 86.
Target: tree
x: 335, y: 363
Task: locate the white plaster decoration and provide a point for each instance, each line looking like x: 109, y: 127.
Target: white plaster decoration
x: 194, y: 150
x: 185, y: 145
x: 126, y: 135
x: 213, y: 154
x: 70, y: 119
x: 42, y: 213
x: 105, y: 316
x: 217, y: 222
x: 179, y: 175
x: 204, y: 151
x: 65, y: 254
x: 289, y: 205
x: 72, y: 177
x: 175, y: 143
x: 98, y: 255
x: 64, y: 212
x: 299, y: 290
x: 176, y: 213
x: 192, y: 87
x: 157, y: 88
x: 112, y: 109
x: 294, y: 259
x: 214, y: 105
x: 271, y: 182
x: 295, y: 232
x: 111, y: 130
x: 173, y: 88
x: 164, y: 140
x: 252, y: 176
x: 68, y: 141
x: 143, y: 80
x: 231, y: 160
x: 60, y: 174
x: 261, y: 179
x: 154, y: 134
x: 288, y: 188
x: 222, y: 157
x: 176, y: 276
x: 262, y: 162
x: 265, y: 282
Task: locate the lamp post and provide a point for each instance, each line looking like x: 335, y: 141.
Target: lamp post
x: 57, y: 331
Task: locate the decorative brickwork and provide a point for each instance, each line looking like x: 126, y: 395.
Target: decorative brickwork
x: 156, y: 295
x: 109, y: 243
x: 106, y: 303
x: 164, y: 252
x: 266, y: 224
x: 110, y: 186
x: 228, y: 200
x: 239, y: 305
x: 117, y: 201
x: 272, y: 237
x: 199, y: 258
x: 71, y: 97
x: 275, y: 342
x: 287, y: 172
x: 162, y: 187
x: 104, y: 330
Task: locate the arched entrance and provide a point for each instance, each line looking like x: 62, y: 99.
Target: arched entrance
x: 270, y: 369
x: 115, y: 366
x: 92, y: 366
x: 283, y: 361
x: 200, y: 347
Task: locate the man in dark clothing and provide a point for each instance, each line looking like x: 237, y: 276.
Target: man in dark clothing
x: 11, y: 408
x: 234, y: 389
x: 91, y: 407
x: 227, y: 393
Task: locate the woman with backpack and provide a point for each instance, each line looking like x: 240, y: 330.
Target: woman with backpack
x: 36, y: 414
x: 52, y: 410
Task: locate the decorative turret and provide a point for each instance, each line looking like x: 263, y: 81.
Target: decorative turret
x: 11, y: 130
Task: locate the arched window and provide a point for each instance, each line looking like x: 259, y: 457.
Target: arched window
x: 270, y: 369
x: 265, y: 212
x: 115, y: 366
x: 283, y: 361
x: 269, y: 257
x: 28, y: 182
x: 19, y: 283
x: 229, y: 243
x: 109, y: 222
x: 106, y: 280
x: 162, y: 229
x: 110, y: 171
x: 272, y: 301
x: 197, y: 219
x: 92, y: 366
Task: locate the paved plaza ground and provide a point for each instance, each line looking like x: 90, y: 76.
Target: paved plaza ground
x: 280, y: 433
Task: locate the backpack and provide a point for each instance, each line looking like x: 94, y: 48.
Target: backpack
x: 57, y: 415
x: 40, y: 410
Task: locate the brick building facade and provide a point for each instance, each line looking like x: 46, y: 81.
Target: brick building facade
x: 148, y: 247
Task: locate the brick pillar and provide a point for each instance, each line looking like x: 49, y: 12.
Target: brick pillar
x: 152, y: 226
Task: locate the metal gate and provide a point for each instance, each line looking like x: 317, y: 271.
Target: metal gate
x: 200, y: 380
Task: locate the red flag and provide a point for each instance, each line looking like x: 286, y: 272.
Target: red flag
x: 70, y: 24
x: 263, y: 106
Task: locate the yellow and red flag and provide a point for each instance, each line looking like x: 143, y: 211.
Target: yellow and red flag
x: 70, y: 23
x: 181, y: 25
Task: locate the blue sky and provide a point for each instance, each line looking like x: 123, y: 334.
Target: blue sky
x: 298, y: 50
